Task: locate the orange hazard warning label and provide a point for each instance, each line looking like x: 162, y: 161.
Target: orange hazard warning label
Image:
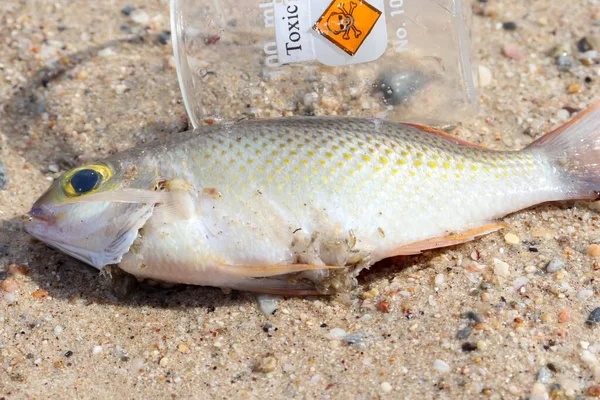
x: 347, y: 23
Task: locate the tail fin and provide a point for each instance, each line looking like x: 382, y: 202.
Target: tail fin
x: 576, y: 148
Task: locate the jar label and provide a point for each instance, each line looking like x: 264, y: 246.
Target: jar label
x: 338, y: 32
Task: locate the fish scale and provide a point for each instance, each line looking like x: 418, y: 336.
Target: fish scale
x: 272, y: 205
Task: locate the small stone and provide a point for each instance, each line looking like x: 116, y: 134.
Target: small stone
x: 354, y: 338
x: 310, y: 98
x: 593, y: 391
x: 544, y: 375
x: 564, y: 62
x: 330, y: 103
x: 39, y: 294
x: 97, y: 350
x: 584, y: 294
x: 336, y: 334
x: 473, y: 316
x: 266, y: 364
x: 140, y: 17
x: 384, y: 306
x: 120, y: 88
x: 589, y: 358
x: 594, y: 250
x: 267, y: 303
x: 183, y: 348
x: 9, y: 285
x: 398, y: 85
x: 509, y: 26
x: 513, y: 51
x: 485, y: 76
x: 386, y: 387
x: 563, y: 114
x: 538, y: 392
x: 555, y: 265
x: 574, y: 88
x: 164, y: 37
x: 501, y: 268
x: 468, y: 347
x: 164, y: 362
x: 107, y: 52
x: 584, y: 45
x: 53, y: 168
x: 464, y: 333
x: 439, y: 280
x: 441, y: 366
x: 3, y: 177
x: 127, y: 10
x: 594, y: 318
x: 58, y: 330
x: 564, y: 316
x: 511, y: 238
x: 16, y: 269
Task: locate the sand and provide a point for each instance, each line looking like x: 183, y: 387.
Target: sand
x: 484, y: 319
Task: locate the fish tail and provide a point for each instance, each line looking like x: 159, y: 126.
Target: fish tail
x: 575, y: 147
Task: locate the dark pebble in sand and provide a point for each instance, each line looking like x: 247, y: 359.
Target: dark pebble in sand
x: 594, y: 317
x: 164, y: 37
x: 398, y: 86
x: 473, y: 316
x: 3, y: 177
x: 68, y: 354
x: 267, y: 327
x: 127, y: 10
x: 464, y: 333
x: 584, y: 45
x: 468, y: 346
x: 509, y: 26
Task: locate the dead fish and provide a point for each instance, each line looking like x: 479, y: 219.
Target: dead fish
x: 298, y: 205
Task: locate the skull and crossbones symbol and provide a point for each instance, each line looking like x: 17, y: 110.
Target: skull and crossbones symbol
x: 343, y: 21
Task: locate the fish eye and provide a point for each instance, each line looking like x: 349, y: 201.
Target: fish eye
x: 85, y: 179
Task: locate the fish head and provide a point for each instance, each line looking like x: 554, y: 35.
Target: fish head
x: 81, y: 214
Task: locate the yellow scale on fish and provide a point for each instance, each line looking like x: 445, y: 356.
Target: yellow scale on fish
x: 301, y: 205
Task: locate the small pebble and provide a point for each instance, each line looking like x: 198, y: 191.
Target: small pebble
x: 58, y: 330
x: 584, y: 45
x: 501, y: 268
x: 584, y: 294
x: 544, y: 375
x: 127, y: 10
x: 594, y: 250
x: 384, y: 306
x: 564, y: 62
x: 439, y: 280
x: 3, y: 177
x: 9, y: 285
x: 398, y: 86
x: 441, y: 366
x: 140, y: 17
x: 386, y: 387
x: 574, y: 88
x: 336, y: 334
x: 97, y: 350
x: 485, y: 76
x: 39, y: 294
x: 555, y: 265
x: 267, y: 303
x: 266, y: 364
x: 354, y: 338
x: 513, y: 51
x: 539, y: 392
x: 183, y: 348
x: 593, y: 391
x: 164, y: 362
x: 594, y: 318
x: 511, y: 238
x: 106, y: 52
x: 564, y: 315
x: 164, y: 37
x: 563, y: 114
x: 509, y: 26
x: 120, y: 88
x: 16, y: 269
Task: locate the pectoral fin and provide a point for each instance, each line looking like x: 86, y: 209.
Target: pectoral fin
x: 444, y: 241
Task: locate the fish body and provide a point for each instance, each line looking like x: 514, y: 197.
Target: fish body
x: 269, y: 205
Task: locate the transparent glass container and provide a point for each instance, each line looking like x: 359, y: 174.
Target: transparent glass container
x: 404, y: 60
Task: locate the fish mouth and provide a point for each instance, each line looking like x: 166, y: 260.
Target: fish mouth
x: 40, y: 214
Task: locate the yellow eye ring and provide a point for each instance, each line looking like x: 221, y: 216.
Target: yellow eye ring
x: 84, y: 180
